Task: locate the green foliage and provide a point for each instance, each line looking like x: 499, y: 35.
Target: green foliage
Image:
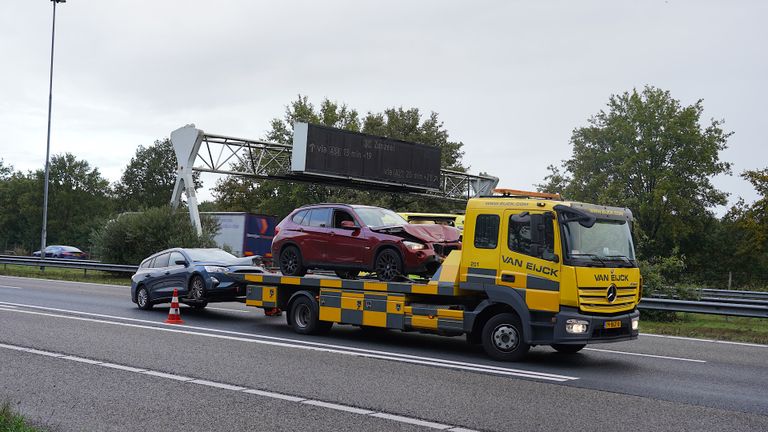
x: 745, y: 233
x: 131, y: 237
x: 149, y: 177
x: 78, y: 198
x: 659, y: 277
x: 651, y: 154
x: 279, y: 197
x: 12, y: 422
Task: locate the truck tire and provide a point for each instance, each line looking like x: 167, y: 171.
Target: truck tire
x: 304, y: 317
x: 142, y: 298
x: 503, y: 338
x: 568, y: 349
x: 291, y: 263
x: 388, y: 265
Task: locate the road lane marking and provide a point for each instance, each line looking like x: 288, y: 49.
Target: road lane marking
x: 274, y: 395
x: 313, y: 346
x: 338, y: 407
x: 756, y: 345
x: 10, y: 287
x: 228, y: 310
x: 217, y: 385
x: 235, y: 388
x: 416, y: 422
x: 646, y: 355
x: 65, y: 282
x: 167, y: 375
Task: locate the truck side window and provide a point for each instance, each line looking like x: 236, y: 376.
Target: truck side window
x: 487, y: 231
x: 520, y: 238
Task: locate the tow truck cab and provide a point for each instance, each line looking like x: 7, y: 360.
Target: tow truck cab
x: 567, y: 269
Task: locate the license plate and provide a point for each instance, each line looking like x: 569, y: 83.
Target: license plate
x: 612, y: 324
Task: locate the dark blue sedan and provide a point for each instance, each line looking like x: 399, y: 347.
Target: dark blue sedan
x: 199, y: 275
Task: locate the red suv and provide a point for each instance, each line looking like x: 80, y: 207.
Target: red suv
x: 354, y: 238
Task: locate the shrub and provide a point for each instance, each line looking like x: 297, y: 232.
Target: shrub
x: 131, y: 237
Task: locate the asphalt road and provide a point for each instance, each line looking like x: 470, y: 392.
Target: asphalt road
x: 80, y: 356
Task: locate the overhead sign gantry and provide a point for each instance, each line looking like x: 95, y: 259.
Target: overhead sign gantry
x: 325, y: 155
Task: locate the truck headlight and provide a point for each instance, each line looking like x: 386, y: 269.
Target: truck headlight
x: 576, y: 326
x: 215, y: 269
x: 635, y: 323
x: 413, y: 245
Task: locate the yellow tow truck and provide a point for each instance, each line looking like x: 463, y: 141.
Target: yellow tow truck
x: 533, y: 270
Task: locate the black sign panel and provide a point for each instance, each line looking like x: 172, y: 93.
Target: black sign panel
x: 325, y: 151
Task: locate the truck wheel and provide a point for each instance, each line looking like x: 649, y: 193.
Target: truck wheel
x: 142, y: 298
x: 388, y: 265
x: 568, y: 349
x: 304, y: 317
x: 290, y: 262
x: 503, y: 338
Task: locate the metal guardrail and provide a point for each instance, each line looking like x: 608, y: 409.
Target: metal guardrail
x: 731, y: 307
x: 65, y: 263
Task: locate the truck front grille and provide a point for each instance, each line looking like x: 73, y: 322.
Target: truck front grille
x: 596, y: 299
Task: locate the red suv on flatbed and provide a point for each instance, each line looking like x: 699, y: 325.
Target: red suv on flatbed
x: 354, y: 238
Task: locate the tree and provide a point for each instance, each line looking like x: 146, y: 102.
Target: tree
x: 746, y: 233
x: 78, y: 198
x: 279, y: 197
x: 149, y: 177
x: 651, y: 154
x: 131, y: 237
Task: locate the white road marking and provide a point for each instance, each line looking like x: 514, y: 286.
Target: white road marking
x: 646, y: 355
x: 239, y: 389
x: 217, y: 385
x: 412, y: 421
x: 122, y: 367
x: 274, y: 395
x: 10, y: 287
x: 337, y: 407
x: 65, y: 282
x: 167, y: 375
x: 314, y: 346
x: 228, y: 310
x: 756, y: 345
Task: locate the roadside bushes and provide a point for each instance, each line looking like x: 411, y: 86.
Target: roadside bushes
x: 660, y: 276
x: 131, y: 237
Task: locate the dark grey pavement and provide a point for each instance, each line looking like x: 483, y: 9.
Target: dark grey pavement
x: 650, y: 384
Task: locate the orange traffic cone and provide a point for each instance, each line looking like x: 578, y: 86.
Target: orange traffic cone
x: 174, y: 317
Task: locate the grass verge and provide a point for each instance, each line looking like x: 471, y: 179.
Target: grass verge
x: 12, y: 422
x: 93, y: 276
x: 738, y: 329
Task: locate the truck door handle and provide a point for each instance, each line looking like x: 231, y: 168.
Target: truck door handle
x: 168, y: 272
x: 147, y: 276
x: 507, y: 277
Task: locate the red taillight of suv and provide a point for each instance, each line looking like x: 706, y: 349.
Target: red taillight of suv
x: 277, y: 230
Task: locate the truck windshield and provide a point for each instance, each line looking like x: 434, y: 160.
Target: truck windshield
x: 606, y: 241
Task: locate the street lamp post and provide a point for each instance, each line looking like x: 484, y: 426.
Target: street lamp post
x: 44, y: 233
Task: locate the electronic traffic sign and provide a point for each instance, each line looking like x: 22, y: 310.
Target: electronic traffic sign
x: 340, y: 154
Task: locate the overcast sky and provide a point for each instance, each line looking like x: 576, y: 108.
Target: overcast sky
x: 509, y: 79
